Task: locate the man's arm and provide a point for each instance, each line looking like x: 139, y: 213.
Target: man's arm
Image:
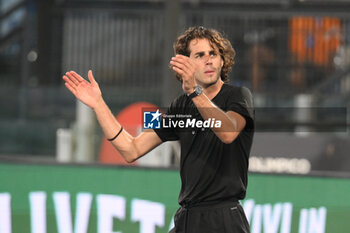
x: 232, y: 123
x: 131, y: 148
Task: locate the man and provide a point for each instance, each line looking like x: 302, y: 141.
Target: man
x: 214, y: 161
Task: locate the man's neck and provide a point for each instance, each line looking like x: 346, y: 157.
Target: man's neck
x: 212, y: 90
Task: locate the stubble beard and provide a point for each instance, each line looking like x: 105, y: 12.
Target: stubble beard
x: 205, y: 84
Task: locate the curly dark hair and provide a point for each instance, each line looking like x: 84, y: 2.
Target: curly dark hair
x: 214, y: 37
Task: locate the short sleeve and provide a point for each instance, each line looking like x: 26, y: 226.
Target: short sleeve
x: 241, y: 101
x: 168, y: 134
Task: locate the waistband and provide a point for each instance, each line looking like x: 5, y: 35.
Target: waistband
x: 211, y: 204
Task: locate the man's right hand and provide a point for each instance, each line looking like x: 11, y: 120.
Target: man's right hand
x: 87, y: 92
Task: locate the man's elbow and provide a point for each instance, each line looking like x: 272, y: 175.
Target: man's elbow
x: 129, y: 154
x: 131, y: 158
x: 128, y: 160
x: 229, y: 137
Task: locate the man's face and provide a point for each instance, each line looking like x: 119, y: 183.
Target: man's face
x: 208, y: 60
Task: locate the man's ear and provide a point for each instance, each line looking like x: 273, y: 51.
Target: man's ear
x: 222, y: 63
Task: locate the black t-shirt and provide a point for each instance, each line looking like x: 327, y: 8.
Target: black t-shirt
x: 210, y: 169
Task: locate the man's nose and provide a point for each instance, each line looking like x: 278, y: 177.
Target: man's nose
x: 207, y: 59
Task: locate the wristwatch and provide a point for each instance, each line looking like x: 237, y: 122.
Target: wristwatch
x: 197, y: 91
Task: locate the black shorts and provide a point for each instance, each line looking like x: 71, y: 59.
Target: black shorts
x: 226, y: 217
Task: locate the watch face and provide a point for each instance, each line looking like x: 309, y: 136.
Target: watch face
x: 198, y: 90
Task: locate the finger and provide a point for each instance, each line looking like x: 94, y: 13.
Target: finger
x: 183, y: 71
x: 184, y: 60
x: 72, y: 78
x: 70, y: 88
x: 177, y: 70
x: 187, y: 80
x: 69, y: 81
x: 77, y: 76
x: 181, y: 59
x: 180, y: 65
x: 91, y: 77
x: 180, y: 56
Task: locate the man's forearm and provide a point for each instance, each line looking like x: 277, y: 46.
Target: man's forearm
x: 230, y: 125
x: 110, y: 126
x: 105, y: 117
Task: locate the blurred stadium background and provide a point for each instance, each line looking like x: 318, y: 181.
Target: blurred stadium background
x: 294, y: 55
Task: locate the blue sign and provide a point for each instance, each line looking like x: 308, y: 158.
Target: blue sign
x: 151, y: 120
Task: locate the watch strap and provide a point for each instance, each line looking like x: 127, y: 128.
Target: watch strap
x: 193, y: 94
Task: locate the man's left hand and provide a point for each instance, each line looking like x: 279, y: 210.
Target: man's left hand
x: 188, y: 70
